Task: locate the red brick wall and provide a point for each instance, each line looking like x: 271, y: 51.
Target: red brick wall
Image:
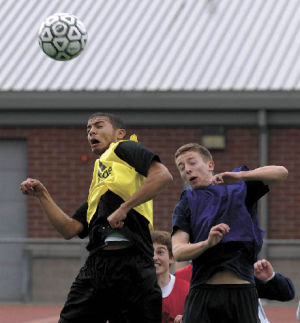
x: 54, y: 157
x: 284, y: 202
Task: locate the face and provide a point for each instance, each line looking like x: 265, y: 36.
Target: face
x: 161, y: 259
x: 194, y: 170
x: 101, y: 134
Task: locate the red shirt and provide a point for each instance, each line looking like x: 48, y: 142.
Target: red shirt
x: 185, y: 272
x: 173, y: 304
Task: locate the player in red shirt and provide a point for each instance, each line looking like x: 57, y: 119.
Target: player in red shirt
x: 185, y: 272
x: 174, y: 290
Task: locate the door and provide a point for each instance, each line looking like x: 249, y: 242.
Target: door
x: 13, y: 217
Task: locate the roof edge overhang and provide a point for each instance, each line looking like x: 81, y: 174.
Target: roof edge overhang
x: 157, y: 108
x: 170, y: 100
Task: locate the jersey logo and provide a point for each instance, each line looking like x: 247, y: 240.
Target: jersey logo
x: 103, y: 171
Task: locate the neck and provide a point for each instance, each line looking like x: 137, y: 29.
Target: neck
x: 206, y: 182
x: 208, y: 179
x: 163, y: 279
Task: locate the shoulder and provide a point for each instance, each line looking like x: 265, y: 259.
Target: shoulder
x: 133, y: 152
x: 136, y: 155
x: 130, y: 145
x: 183, y: 203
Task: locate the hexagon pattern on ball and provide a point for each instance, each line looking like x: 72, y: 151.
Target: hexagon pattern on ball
x: 62, y: 36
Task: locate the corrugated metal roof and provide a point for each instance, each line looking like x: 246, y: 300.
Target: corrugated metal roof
x: 156, y: 45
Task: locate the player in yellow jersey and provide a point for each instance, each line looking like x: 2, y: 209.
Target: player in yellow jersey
x: 118, y: 281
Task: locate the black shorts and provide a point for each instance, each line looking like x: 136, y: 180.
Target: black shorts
x: 119, y: 286
x: 222, y: 304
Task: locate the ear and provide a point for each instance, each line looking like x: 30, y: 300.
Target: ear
x: 121, y: 133
x: 171, y: 260
x: 211, y: 165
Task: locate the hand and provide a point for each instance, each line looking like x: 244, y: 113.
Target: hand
x: 226, y: 178
x: 263, y: 269
x: 116, y: 219
x: 216, y: 234
x: 32, y: 187
x: 178, y: 319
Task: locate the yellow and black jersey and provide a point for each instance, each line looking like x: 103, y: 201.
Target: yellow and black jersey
x: 118, y: 174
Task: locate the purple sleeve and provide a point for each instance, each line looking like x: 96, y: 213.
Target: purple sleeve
x: 181, y: 215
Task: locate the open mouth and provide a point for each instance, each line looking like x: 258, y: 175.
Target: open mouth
x: 192, y: 179
x: 94, y: 141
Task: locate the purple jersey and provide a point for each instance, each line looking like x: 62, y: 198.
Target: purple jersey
x: 236, y: 205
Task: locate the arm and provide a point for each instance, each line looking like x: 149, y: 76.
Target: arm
x: 271, y: 285
x: 266, y: 174
x: 158, y: 177
x: 183, y: 250
x: 64, y: 224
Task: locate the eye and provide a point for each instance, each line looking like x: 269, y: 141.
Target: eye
x: 181, y: 168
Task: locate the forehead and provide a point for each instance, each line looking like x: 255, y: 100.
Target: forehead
x: 97, y: 119
x: 188, y: 155
x: 159, y: 246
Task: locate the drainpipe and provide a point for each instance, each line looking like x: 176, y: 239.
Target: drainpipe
x: 263, y: 161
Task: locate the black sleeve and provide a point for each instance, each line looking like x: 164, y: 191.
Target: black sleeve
x: 80, y: 215
x: 280, y: 288
x: 136, y: 155
x: 255, y: 190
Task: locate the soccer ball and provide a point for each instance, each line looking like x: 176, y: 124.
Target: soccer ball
x: 62, y: 36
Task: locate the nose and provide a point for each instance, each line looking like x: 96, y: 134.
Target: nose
x: 187, y: 170
x: 92, y: 130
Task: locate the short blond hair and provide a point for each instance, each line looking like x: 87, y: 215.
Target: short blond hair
x: 201, y: 150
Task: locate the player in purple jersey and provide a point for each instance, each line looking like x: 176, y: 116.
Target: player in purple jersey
x: 215, y: 225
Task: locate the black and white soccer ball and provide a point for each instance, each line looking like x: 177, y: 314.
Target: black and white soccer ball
x: 62, y: 36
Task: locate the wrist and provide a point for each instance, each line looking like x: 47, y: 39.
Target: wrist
x: 125, y: 207
x: 43, y: 195
x: 271, y: 277
x: 206, y: 244
x: 243, y: 175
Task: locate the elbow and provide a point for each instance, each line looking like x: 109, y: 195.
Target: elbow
x: 160, y: 173
x: 165, y: 177
x: 287, y: 298
x: 71, y: 229
x: 291, y: 294
x: 284, y: 172
x: 68, y: 233
x: 168, y: 178
x: 281, y: 174
x: 177, y: 255
x: 178, y: 258
x: 67, y: 237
